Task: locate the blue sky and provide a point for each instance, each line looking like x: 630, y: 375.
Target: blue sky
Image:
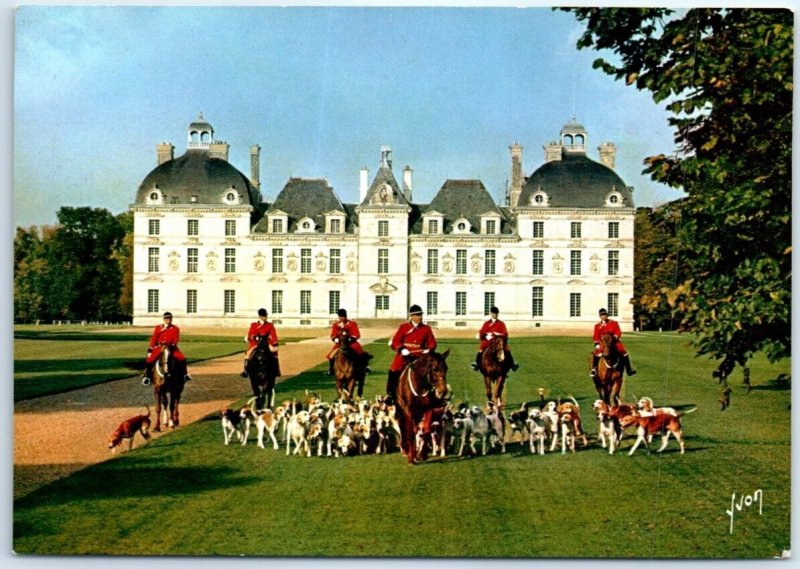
x: 320, y: 89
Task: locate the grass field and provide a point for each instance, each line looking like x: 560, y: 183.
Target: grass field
x: 58, y: 359
x: 188, y: 494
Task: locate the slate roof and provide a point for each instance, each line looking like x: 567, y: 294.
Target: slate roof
x: 306, y: 197
x: 466, y: 199
x: 575, y: 181
x: 195, y: 174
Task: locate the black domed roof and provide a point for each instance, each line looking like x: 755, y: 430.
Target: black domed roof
x: 575, y: 181
x: 195, y: 174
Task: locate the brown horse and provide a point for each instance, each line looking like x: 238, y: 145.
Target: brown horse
x: 494, y: 369
x: 349, y: 369
x: 262, y: 369
x: 608, y: 381
x: 168, y: 381
x: 422, y: 386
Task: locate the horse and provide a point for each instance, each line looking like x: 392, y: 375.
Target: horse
x: 262, y: 369
x: 347, y: 369
x: 608, y: 381
x: 422, y: 387
x: 494, y: 369
x: 168, y: 382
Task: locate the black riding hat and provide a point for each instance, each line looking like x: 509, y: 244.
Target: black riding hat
x: 168, y: 315
x: 494, y: 310
x: 415, y: 309
x: 262, y: 311
x: 603, y: 311
x: 342, y: 312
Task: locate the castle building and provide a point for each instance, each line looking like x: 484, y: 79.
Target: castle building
x: 209, y: 250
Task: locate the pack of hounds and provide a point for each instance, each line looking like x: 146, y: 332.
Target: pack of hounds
x: 317, y: 428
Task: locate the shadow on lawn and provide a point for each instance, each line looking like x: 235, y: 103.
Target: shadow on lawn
x: 73, y: 366
x: 781, y: 383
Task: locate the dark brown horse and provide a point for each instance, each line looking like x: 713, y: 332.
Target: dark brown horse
x: 349, y: 369
x: 262, y: 369
x: 168, y: 381
x: 494, y: 368
x: 422, y: 386
x: 608, y: 381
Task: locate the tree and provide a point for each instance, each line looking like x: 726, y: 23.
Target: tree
x: 726, y: 78
x: 29, y: 274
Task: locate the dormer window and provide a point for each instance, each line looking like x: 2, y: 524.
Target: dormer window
x: 231, y: 196
x: 334, y: 222
x: 306, y: 225
x: 433, y: 226
x: 155, y: 196
x: 462, y: 226
x: 540, y: 198
x: 432, y: 223
x: 490, y: 224
x: 614, y: 198
x: 277, y: 222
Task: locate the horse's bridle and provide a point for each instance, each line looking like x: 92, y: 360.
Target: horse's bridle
x: 409, y: 370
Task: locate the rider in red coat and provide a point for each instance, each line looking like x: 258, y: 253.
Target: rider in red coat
x: 491, y: 328
x: 260, y: 328
x: 412, y: 339
x: 353, y: 334
x: 168, y: 335
x: 608, y: 326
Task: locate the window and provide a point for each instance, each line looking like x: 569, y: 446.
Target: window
x: 461, y: 261
x: 152, y: 260
x: 192, y: 227
x: 383, y: 261
x: 433, y: 226
x: 538, y: 229
x: 305, y: 261
x: 277, y: 302
x: 613, y: 263
x: 154, y: 227
x: 277, y: 226
x: 382, y: 302
x: 336, y: 261
x: 538, y: 262
x: 433, y: 303
x: 461, y: 304
x: 277, y: 260
x: 383, y: 229
x: 305, y: 302
x: 152, y: 300
x: 538, y: 199
x: 575, y: 304
x: 613, y: 229
x: 230, y: 302
x: 491, y: 227
x: 613, y: 304
x: 613, y: 198
x: 489, y: 262
x: 191, y: 302
x: 537, y: 302
x: 336, y: 225
x: 575, y: 262
x: 333, y: 301
x: 575, y: 230
x: 230, y: 260
x: 433, y: 261
x: 488, y: 302
x: 230, y: 227
x: 191, y: 260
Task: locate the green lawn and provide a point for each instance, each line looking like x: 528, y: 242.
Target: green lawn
x: 63, y: 358
x: 188, y: 494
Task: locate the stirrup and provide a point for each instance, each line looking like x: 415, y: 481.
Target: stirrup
x: 187, y: 378
x: 515, y: 367
x: 474, y: 366
x: 593, y: 372
x: 631, y: 372
x: 243, y: 374
x: 146, y: 381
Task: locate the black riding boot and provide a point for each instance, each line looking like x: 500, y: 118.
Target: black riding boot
x: 366, y: 357
x: 626, y: 359
x: 185, y: 371
x: 244, y: 368
x: 391, y: 384
x: 512, y: 365
x: 330, y: 367
x: 476, y: 365
x: 595, y: 361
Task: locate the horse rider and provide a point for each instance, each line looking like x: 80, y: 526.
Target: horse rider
x: 166, y: 334
x: 353, y: 336
x: 412, y: 339
x: 257, y: 329
x: 608, y: 326
x: 491, y: 328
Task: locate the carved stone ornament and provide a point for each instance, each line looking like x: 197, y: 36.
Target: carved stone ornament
x: 258, y: 265
x: 476, y: 266
x: 508, y: 267
x: 447, y: 266
x: 558, y: 264
x: 173, y: 264
x: 292, y: 265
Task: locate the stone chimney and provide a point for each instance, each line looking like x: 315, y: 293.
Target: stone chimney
x: 407, y: 171
x: 363, y: 184
x: 608, y: 152
x: 255, y: 169
x: 165, y: 152
x: 516, y: 174
x: 218, y: 149
x: 552, y: 151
